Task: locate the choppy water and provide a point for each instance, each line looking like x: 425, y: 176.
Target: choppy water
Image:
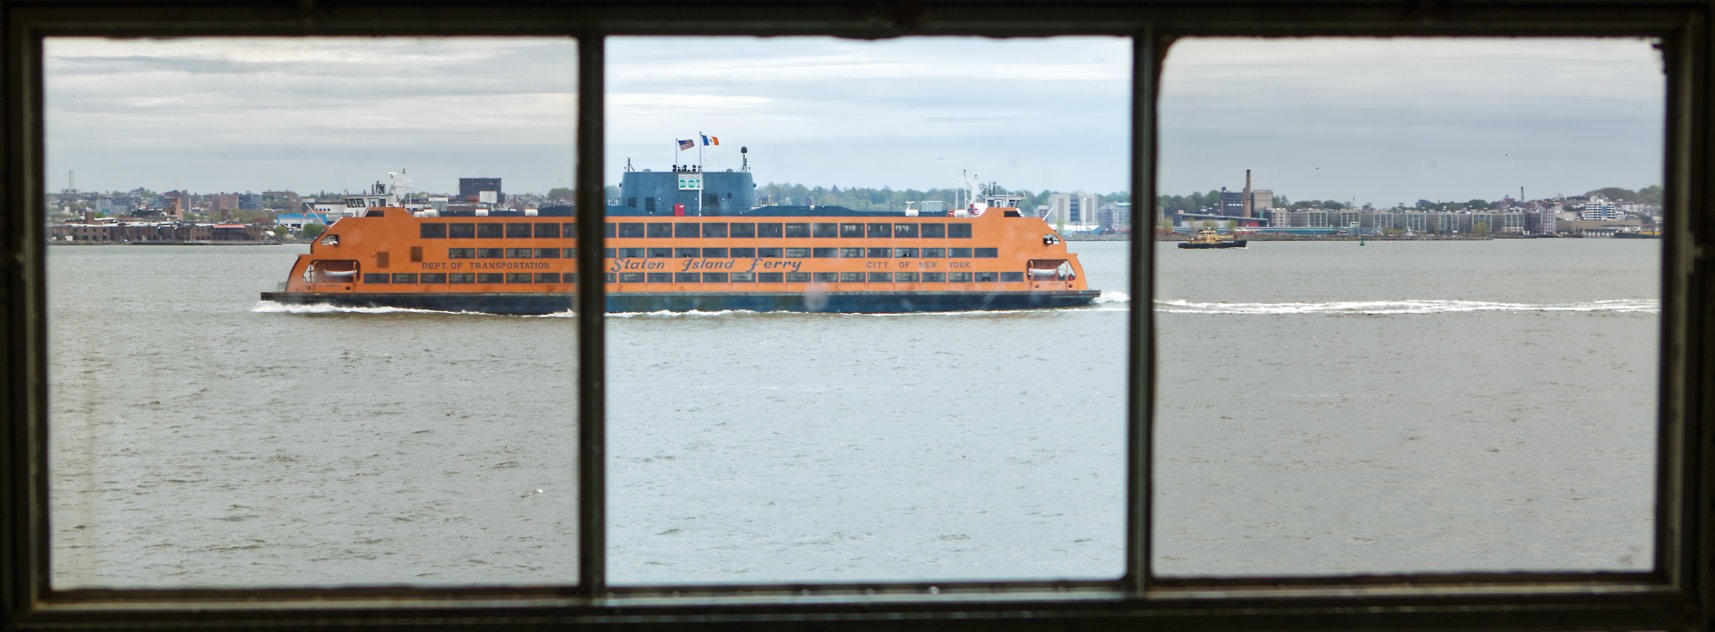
x: 1322, y: 409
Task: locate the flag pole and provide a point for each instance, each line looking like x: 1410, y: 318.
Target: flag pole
x: 701, y: 143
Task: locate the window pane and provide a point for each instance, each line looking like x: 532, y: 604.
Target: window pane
x: 750, y: 446
x: 203, y: 438
x: 1402, y: 371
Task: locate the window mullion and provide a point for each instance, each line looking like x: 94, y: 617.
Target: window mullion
x: 591, y: 308
x: 1146, y: 67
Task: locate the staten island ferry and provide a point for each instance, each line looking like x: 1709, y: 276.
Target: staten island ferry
x: 689, y: 240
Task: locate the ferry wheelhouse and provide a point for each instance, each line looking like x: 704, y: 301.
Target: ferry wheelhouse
x: 687, y: 240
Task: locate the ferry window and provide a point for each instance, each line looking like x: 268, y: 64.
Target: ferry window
x: 824, y: 230
x: 568, y: 277
x: 851, y: 231
x: 491, y: 253
x: 987, y: 253
x: 432, y: 230
x: 958, y: 277
x: 742, y: 277
x: 904, y: 253
x: 461, y: 230
x: 743, y: 253
x: 639, y: 253
x: 416, y: 254
x: 714, y: 229
x: 608, y: 229
x: 905, y: 277
x: 959, y: 230
x: 768, y: 253
x: 905, y: 230
x: 768, y: 277
x: 825, y: 277
x: 606, y: 253
x: 934, y: 277
x: 688, y: 277
x: 660, y: 277
x: 382, y: 258
x: 374, y: 278
x: 569, y: 230
x: 1416, y: 464
x: 547, y: 229
x: 490, y: 277
x: 797, y: 277
x: 934, y: 230
x: 958, y: 253
x: 1011, y: 277
x: 714, y: 253
x: 985, y: 277
x: 741, y: 229
x: 687, y: 229
x: 687, y: 253
x: 949, y: 511
x: 851, y: 253
x: 490, y: 230
x: 880, y: 231
x: 569, y: 253
x: 879, y: 253
x: 796, y: 253
x: 851, y: 277
x: 630, y: 229
x: 825, y: 253
x: 547, y: 277
x: 631, y: 277
x: 660, y: 230
x: 768, y: 229
x: 881, y: 277
x: 434, y: 277
x: 519, y: 253
x: 517, y: 230
x: 547, y: 253
x: 714, y: 277
x: 664, y: 252
x: 608, y: 277
x: 631, y: 201
x: 461, y: 277
x: 404, y: 277
x: 797, y: 230
x: 934, y: 253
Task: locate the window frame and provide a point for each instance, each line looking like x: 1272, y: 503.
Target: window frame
x: 1676, y: 594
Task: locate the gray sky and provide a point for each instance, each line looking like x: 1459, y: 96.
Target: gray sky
x: 1380, y: 121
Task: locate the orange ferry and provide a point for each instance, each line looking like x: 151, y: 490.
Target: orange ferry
x: 693, y: 243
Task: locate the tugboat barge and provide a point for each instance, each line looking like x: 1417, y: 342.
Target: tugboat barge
x: 688, y: 240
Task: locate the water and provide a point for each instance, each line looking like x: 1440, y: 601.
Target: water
x: 1324, y: 408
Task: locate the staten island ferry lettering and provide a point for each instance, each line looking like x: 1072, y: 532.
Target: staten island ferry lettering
x: 683, y: 250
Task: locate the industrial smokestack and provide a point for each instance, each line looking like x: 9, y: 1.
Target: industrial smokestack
x: 1247, y: 194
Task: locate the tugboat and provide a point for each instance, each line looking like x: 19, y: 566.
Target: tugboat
x: 1208, y: 238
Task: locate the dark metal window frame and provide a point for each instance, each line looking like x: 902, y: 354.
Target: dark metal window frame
x: 1674, y: 595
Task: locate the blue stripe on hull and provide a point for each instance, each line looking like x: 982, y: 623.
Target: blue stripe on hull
x: 845, y: 302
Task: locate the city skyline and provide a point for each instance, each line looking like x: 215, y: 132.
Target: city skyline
x: 1377, y: 121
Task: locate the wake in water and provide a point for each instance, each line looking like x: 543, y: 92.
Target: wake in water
x: 270, y: 307
x: 1624, y: 306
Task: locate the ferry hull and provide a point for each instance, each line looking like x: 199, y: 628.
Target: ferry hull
x: 517, y: 303
x: 1188, y: 245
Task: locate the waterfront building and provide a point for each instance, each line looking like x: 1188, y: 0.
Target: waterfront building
x: 481, y: 190
x: 1071, y: 209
